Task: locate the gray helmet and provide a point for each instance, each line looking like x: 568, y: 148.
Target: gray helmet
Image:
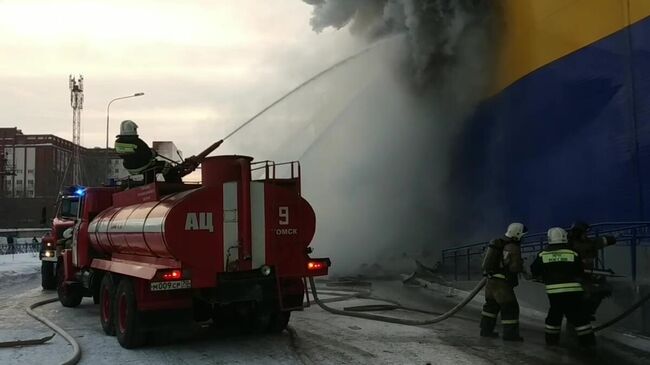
x: 516, y: 230
x: 557, y: 235
x: 128, y: 128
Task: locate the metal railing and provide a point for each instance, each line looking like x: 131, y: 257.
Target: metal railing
x: 16, y: 248
x: 269, y: 169
x: 632, y: 234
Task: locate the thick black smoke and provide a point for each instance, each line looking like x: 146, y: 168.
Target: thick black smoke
x: 433, y: 28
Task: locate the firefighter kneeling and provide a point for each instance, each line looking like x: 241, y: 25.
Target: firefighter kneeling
x: 560, y: 268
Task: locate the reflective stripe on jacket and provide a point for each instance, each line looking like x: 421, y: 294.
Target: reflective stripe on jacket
x: 125, y: 148
x: 560, y: 268
x: 558, y: 256
x: 563, y: 288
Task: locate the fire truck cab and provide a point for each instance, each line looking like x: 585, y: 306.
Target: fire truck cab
x: 52, y: 242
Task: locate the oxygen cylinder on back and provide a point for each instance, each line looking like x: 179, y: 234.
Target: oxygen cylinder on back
x: 493, y: 257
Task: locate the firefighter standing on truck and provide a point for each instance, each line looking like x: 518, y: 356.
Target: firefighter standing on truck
x: 560, y: 269
x: 502, y: 264
x: 138, y: 158
x: 136, y: 155
x: 595, y: 286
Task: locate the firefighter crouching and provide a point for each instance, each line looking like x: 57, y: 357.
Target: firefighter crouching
x: 502, y: 264
x: 560, y: 269
x: 595, y: 286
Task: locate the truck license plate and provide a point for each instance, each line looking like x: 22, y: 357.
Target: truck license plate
x: 171, y: 285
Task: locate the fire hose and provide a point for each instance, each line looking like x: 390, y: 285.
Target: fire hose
x: 410, y: 322
x: 625, y: 313
x: 357, y: 311
x: 76, y: 355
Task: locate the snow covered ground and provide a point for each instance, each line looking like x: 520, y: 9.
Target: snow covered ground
x: 12, y: 266
x: 320, y: 337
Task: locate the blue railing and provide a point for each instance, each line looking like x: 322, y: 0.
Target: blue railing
x: 632, y: 234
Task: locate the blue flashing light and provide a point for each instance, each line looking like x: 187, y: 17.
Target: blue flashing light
x: 80, y: 192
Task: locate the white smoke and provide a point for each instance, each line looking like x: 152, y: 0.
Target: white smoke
x: 374, y: 136
x: 385, y: 193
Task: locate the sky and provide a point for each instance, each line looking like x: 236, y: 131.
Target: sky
x: 207, y: 66
x: 204, y: 66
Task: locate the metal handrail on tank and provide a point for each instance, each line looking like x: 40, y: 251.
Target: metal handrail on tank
x: 630, y: 234
x: 269, y: 168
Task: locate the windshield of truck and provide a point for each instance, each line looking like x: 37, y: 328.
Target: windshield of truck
x: 69, y: 207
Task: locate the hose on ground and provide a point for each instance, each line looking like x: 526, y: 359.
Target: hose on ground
x: 626, y: 313
x: 76, y: 356
x: 356, y: 311
x: 409, y: 322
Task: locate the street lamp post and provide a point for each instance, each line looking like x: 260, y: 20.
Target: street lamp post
x: 108, y: 109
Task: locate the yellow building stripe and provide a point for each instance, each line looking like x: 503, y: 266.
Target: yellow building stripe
x: 535, y: 33
x: 639, y: 9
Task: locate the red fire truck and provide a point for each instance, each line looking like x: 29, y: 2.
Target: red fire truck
x: 232, y: 244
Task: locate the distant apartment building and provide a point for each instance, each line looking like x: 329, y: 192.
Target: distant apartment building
x: 37, y: 165
x: 34, y: 168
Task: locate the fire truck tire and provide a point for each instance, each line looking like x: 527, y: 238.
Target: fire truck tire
x: 48, y: 275
x: 107, y: 304
x: 69, y: 295
x: 279, y: 321
x: 128, y: 321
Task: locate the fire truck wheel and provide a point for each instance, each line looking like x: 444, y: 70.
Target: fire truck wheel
x: 69, y: 295
x: 106, y: 304
x: 279, y: 321
x: 128, y: 324
x: 48, y: 276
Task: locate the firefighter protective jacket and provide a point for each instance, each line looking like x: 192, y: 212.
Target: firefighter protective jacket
x: 512, y: 263
x: 135, y: 153
x: 588, y: 248
x: 560, y: 268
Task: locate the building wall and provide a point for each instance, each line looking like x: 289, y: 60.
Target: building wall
x: 35, y: 170
x: 26, y: 212
x: 570, y: 138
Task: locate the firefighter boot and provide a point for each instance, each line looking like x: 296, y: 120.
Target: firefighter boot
x: 587, y: 340
x: 511, y: 332
x: 487, y: 327
x: 552, y: 339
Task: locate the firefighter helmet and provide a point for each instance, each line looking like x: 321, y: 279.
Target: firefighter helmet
x: 128, y: 128
x: 516, y: 231
x: 557, y: 235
